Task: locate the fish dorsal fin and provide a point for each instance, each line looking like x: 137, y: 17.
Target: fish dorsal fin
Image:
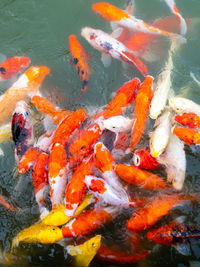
x: 106, y: 60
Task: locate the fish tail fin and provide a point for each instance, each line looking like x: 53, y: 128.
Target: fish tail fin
x: 177, y: 39
x: 131, y: 58
x: 194, y: 78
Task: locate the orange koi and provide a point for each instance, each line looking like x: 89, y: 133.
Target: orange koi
x: 87, y: 222
x: 139, y: 177
x: 28, y: 160
x: 147, y: 216
x: 188, y: 119
x: 142, y: 102
x: 124, y: 96
x: 13, y: 66
x: 68, y: 127
x: 106, y: 254
x: 45, y: 106
x: 83, y: 143
x: 29, y: 82
x: 76, y: 187
x: 173, y: 234
x: 40, y: 179
x: 189, y: 136
x: 143, y: 159
x: 112, y: 13
x: 80, y: 56
x: 58, y: 169
x: 6, y: 204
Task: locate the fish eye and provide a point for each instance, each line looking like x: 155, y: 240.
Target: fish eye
x: 93, y: 245
x: 53, y: 229
x: 82, y: 147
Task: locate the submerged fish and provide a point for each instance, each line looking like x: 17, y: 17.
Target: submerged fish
x: 4, y: 202
x: 5, y: 133
x: 181, y: 105
x: 13, y: 66
x: 105, y: 43
x: 80, y: 56
x: 84, y: 253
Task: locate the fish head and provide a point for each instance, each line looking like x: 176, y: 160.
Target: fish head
x: 50, y: 234
x: 56, y: 217
x: 178, y: 104
x: 89, y: 34
x: 36, y: 75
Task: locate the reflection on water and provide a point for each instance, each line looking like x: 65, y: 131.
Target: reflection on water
x: 40, y: 30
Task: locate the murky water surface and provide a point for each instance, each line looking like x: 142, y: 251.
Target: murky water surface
x: 39, y: 29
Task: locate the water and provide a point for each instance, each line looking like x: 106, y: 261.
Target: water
x: 40, y: 29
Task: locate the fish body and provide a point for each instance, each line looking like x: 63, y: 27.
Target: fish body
x: 188, y: 119
x: 189, y: 136
x: 133, y: 175
x: 79, y: 57
x: 45, y: 106
x: 68, y: 126
x: 58, y: 169
x: 173, y: 234
x: 123, y: 97
x: 160, y: 136
x: 38, y: 233
x: 87, y: 222
x: 5, y: 203
x: 174, y: 159
x: 83, y: 143
x: 29, y: 82
x: 142, y: 102
x: 13, y: 66
x: 176, y: 12
x: 107, y: 254
x: 105, y: 192
x: 76, y: 188
x: 84, y: 253
x: 40, y: 179
x: 143, y: 159
x: 28, y: 160
x: 112, y: 13
x: 184, y: 105
x: 147, y: 216
x: 105, y: 43
x: 118, y: 124
x: 22, y: 129
x: 5, y: 133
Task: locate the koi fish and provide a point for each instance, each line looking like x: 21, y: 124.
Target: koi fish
x: 104, y: 161
x: 83, y: 143
x: 106, y: 193
x: 88, y: 221
x: 38, y: 233
x: 112, y: 13
x: 123, y: 97
x: 44, y: 142
x: 29, y: 82
x: 58, y: 217
x: 173, y: 234
x: 13, y: 66
x: 22, y: 129
x: 139, y: 177
x: 76, y: 188
x: 174, y: 159
x: 189, y: 136
x: 147, y: 216
x: 80, y: 56
x: 5, y: 133
x: 160, y: 136
x: 142, y: 102
x: 121, y: 144
x: 182, y: 105
x: 40, y: 181
x: 143, y: 159
x: 58, y: 169
x: 45, y: 106
x: 28, y: 160
x: 4, y: 202
x: 118, y: 124
x: 107, y: 254
x: 188, y: 119
x: 84, y: 253
x: 105, y: 43
x: 68, y: 127
x: 177, y: 13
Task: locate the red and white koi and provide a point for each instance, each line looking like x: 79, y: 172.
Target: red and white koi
x: 143, y: 159
x: 109, y: 45
x: 28, y: 160
x: 188, y: 119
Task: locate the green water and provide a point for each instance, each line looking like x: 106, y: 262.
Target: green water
x: 39, y: 29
